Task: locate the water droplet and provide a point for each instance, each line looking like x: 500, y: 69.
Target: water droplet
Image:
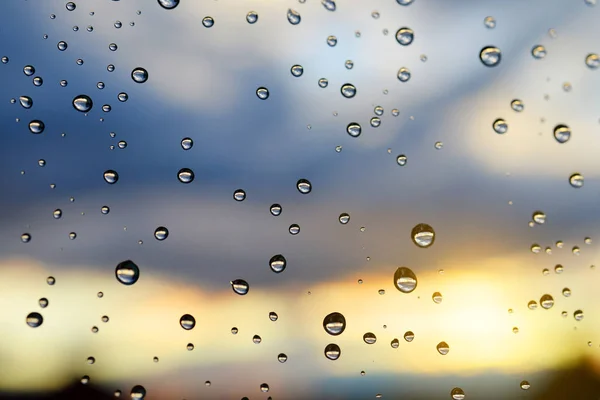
x: 252, y: 17
x: 70, y: 6
x: 161, y: 233
x: 401, y: 160
x: 50, y: 280
x: 256, y: 339
x: 34, y: 319
x: 262, y: 93
x: 404, y: 2
x: 105, y: 210
x: 578, y: 315
x: 562, y: 133
x: 208, y: 22
x: 62, y: 45
x: 282, y: 358
x: 539, y: 217
x: 344, y: 218
x: 438, y: 145
x: 500, y: 126
x: 576, y: 180
x: 187, y: 143
x: 85, y: 380
x: 490, y: 56
x: 381, y: 291
x: 566, y: 292
x: 524, y: 385
x: 111, y: 176
x: 28, y: 70
x: 118, y: 24
x: 139, y: 74
x: 117, y: 393
x: 239, y: 195
x: 185, y: 175
x: 405, y: 280
x: 234, y: 330
x: 443, y: 348
x: 25, y: 238
x: 590, y: 3
x: 43, y: 302
x: 36, y: 126
x: 532, y: 305
x: 297, y: 70
x: 275, y: 209
x: 437, y: 297
x: 240, y: 286
x: 354, y: 129
x: 535, y: 248
x: 82, y: 103
x: 457, y: 394
x: 190, y: 347
x: 592, y: 61
x: 168, y: 4
x: 348, y: 90
x: 332, y: 351
x: 489, y: 22
x: 106, y: 108
x: 328, y: 4
x: 403, y: 74
x: 576, y: 250
x: 546, y: 301
x: 138, y: 392
x: 538, y: 52
x: 273, y: 316
x: 331, y: 40
x: 334, y: 323
x: 294, y: 229
x: 91, y: 360
x: 423, y: 235
x: 100, y: 295
x: 123, y: 97
x: 26, y: 101
x: 517, y: 105
x: 277, y: 263
x: 72, y: 235
x: 264, y: 387
x: 304, y: 186
x: 349, y: 64
x: 127, y: 272
x: 187, y: 322
x: 323, y: 82
x: 405, y: 36
x: 122, y: 144
x: 378, y: 110
x: 293, y: 16
x: 38, y: 81
x: 558, y: 269
x: 369, y: 338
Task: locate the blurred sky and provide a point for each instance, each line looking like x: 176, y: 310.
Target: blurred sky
x: 478, y: 192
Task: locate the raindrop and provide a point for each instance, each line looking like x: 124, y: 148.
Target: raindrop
x: 334, y: 323
x: 423, y: 235
x: 328, y: 4
x: 438, y: 145
x: 539, y: 217
x: 517, y: 105
x: 437, y: 297
x: 500, y: 126
x: 395, y: 343
x: 91, y: 360
x: 138, y: 391
x: 239, y: 195
x: 100, y: 295
x: 118, y: 24
x: 139, y: 74
x: 26, y: 101
x: 592, y: 61
x: 378, y: 110
x: 85, y: 380
x: 127, y: 272
x: 405, y: 36
x: 185, y: 175
x: 72, y: 236
x: 50, y: 280
x: 28, y: 70
x: 375, y: 14
x: 293, y: 16
x: 190, y: 347
x: 208, y: 22
x: 264, y: 387
x: 490, y: 56
x: 294, y: 229
x: 538, y: 51
x: 122, y: 144
x: 43, y: 302
x: 187, y: 322
x: 443, y: 348
x: 256, y: 339
x: 546, y: 301
x: 457, y: 394
x: 304, y: 186
x: 348, y: 90
x: 38, y: 81
x: 578, y: 315
x: 123, y: 97
x: 111, y: 176
x: 187, y: 143
x: 161, y: 233
x: 535, y: 248
x: 576, y: 180
x: 282, y: 357
x: 275, y: 209
x: 332, y: 351
x: 277, y: 263
x: 489, y: 22
x: 297, y: 70
x: 104, y: 210
x: 240, y: 286
x: 576, y: 250
x: 558, y: 269
x: 36, y: 126
x: 405, y: 280
x: 369, y: 338
x: 401, y: 160
x: 70, y: 6
x: 25, y: 238
x: 62, y: 45
x: 349, y: 64
x: 331, y: 40
x: 234, y: 330
x: 532, y: 305
x: 262, y: 93
x: 273, y: 316
x: 106, y: 108
x: 353, y: 129
x: 562, y: 133
x: 524, y: 385
x: 34, y: 319
x: 252, y: 17
x: 323, y: 82
x: 403, y: 74
x: 344, y: 218
x: 566, y: 292
x: 82, y: 103
x: 168, y: 4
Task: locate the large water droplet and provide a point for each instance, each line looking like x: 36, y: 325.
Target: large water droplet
x: 538, y: 52
x: 490, y: 56
x: 264, y: 387
x: 34, y: 319
x: 277, y: 263
x: 405, y: 36
x: 443, y: 348
x: 500, y: 126
x: 354, y: 129
x: 369, y: 338
x: 332, y: 351
x: 423, y: 235
x: 293, y: 16
x: 139, y: 75
x: 592, y: 61
x: 402, y: 160
x: 294, y: 229
x: 70, y: 6
x: 36, y: 126
x: 409, y: 336
x: 546, y: 301
x: 111, y: 176
x: 562, y: 133
x: 304, y: 186
x: 262, y: 93
x: 256, y: 339
x: 138, y: 392
x: 348, y: 90
x: 576, y: 180
x: 208, y: 22
x: 344, y: 218
x: 168, y: 4
x: 62, y: 45
x: 275, y: 210
x: 29, y: 70
x: 297, y: 70
x: 252, y: 17
x: 566, y: 292
x: 26, y: 101
x: 532, y: 305
x: 161, y: 233
x: 127, y: 272
x: 395, y: 343
x: 185, y: 175
x: 405, y: 280
x: 240, y: 286
x: 334, y: 323
x: 82, y: 103
x: 187, y: 143
x: 187, y: 322
x: 457, y: 394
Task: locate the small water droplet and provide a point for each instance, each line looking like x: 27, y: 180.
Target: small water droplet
x: 348, y: 90
x: 457, y: 394
x: 104, y: 210
x: 240, y: 286
x: 273, y: 316
x: 538, y: 52
x: 323, y: 82
x: 438, y: 145
x: 294, y: 229
x: 344, y: 218
x: 252, y: 17
x: 539, y: 217
x: 401, y: 160
x: 524, y: 385
x: 185, y: 175
x: 517, y: 105
x: 34, y: 319
x: 437, y: 297
x: 36, y: 126
x: 369, y: 338
x: 403, y: 74
x: 490, y: 56
x: 328, y: 4
x: 562, y: 133
x: 405, y: 36
x: 443, y: 348
x: 576, y: 180
x: 282, y: 358
x: 489, y: 22
x: 353, y: 129
x: 208, y: 22
x: 532, y: 305
x: 62, y: 45
x: 25, y: 238
x: 138, y: 392
x: 239, y: 195
x: 187, y: 322
x: 91, y: 360
x: 423, y: 235
x: 111, y: 177
x: 139, y: 74
x: 558, y: 269
x: 190, y: 347
x: 500, y: 126
x: 127, y: 272
x: 332, y: 351
x: 592, y: 60
x: 50, y: 280
x: 304, y: 186
x: 256, y: 339
x: 83, y: 103
x: 293, y: 16
x: 262, y: 93
x: 546, y: 301
x: 331, y: 40
x: 275, y: 209
x: 297, y: 70
x: 334, y: 323
x: 566, y: 292
x: 405, y: 280
x: 161, y: 233
x: 70, y: 6
x: 578, y: 315
x: 277, y: 263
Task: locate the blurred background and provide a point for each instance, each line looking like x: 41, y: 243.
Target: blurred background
x: 497, y: 151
